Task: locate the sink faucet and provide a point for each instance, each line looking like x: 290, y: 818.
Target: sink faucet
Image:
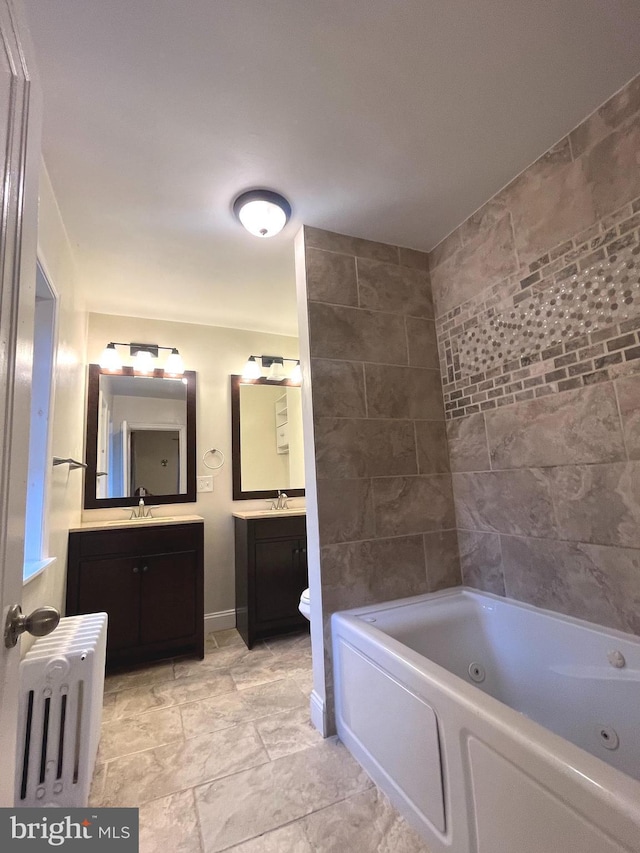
x: 142, y: 511
x: 279, y: 502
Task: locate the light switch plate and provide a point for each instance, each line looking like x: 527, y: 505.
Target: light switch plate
x: 205, y: 484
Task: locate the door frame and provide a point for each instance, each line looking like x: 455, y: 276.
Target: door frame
x: 21, y: 118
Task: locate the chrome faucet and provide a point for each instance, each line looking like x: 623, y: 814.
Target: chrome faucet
x: 141, y: 511
x: 280, y: 502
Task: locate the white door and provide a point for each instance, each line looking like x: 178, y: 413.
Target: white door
x: 20, y: 113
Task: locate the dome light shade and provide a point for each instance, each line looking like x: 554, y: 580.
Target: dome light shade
x: 110, y: 359
x: 296, y: 374
x: 174, y: 365
x: 143, y: 362
x: 251, y: 369
x: 276, y: 371
x: 263, y: 213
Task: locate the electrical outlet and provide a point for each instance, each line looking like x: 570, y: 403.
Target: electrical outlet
x: 205, y: 484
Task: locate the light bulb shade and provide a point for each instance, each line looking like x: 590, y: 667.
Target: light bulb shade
x: 110, y: 359
x: 276, y: 371
x: 296, y: 374
x: 143, y: 362
x: 174, y: 365
x: 262, y: 212
x: 251, y: 369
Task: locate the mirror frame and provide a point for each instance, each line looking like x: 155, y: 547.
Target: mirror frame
x: 91, y: 443
x: 236, y: 453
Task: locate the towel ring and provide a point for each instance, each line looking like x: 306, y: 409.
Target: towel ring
x: 212, y: 451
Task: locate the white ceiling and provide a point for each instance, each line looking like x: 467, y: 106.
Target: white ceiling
x: 378, y: 118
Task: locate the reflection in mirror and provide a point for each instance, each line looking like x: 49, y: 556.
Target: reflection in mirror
x: 140, y: 438
x: 267, y: 438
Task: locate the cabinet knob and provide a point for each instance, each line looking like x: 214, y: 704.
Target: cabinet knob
x: 135, y: 570
x: 296, y: 551
x: 145, y: 568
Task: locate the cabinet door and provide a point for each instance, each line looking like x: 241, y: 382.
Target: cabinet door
x: 112, y: 585
x: 277, y: 580
x: 168, y: 597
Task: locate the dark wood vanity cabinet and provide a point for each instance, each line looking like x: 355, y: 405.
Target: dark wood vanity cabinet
x: 149, y: 580
x: 271, y: 573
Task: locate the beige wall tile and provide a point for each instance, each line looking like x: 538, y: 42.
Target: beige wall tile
x: 338, y: 388
x: 611, y: 168
x: 598, y: 503
x: 628, y: 391
x: 345, y: 510
x: 550, y: 202
x: 389, y: 287
x: 403, y: 392
x: 611, y: 115
x: 405, y: 505
x: 331, y: 277
x: 443, y: 560
x: 468, y: 448
x: 433, y: 456
x: 517, y: 502
x: 421, y: 339
x: 355, y: 334
x: 472, y: 268
x: 560, y: 429
x: 318, y: 239
x: 360, y: 573
x: 413, y: 258
x: 481, y: 561
x: 592, y: 582
x: 351, y: 448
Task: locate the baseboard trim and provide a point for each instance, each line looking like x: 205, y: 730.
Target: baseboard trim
x: 318, y: 716
x: 221, y: 621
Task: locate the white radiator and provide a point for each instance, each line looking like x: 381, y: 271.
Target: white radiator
x: 61, y: 692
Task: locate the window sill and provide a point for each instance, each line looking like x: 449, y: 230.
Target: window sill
x: 35, y: 569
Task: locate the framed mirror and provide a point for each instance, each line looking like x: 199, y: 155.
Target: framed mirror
x: 266, y: 440
x: 140, y: 438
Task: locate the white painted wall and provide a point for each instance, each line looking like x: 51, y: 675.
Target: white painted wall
x: 214, y: 353
x: 67, y: 439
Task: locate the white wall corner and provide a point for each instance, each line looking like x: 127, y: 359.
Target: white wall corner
x: 221, y: 621
x: 318, y: 713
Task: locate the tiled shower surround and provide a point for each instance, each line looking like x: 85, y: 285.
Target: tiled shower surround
x: 385, y: 499
x: 538, y: 312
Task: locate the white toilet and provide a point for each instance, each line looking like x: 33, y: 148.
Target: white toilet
x: 305, y: 605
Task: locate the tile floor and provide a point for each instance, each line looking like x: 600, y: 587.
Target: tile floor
x: 220, y: 755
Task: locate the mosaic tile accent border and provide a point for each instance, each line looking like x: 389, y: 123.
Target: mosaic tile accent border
x: 571, y: 321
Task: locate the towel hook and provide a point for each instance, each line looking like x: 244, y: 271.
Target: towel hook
x: 212, y: 451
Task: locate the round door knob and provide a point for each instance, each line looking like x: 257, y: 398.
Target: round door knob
x: 39, y: 623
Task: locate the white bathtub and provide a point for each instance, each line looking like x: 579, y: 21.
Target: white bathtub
x: 520, y: 762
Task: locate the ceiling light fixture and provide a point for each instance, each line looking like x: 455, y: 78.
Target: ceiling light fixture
x: 275, y: 365
x: 263, y: 213
x: 143, y: 356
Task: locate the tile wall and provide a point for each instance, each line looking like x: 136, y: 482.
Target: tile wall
x: 385, y: 500
x: 537, y: 301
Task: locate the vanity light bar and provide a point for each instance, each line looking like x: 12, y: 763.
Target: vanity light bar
x: 275, y: 365
x: 143, y: 355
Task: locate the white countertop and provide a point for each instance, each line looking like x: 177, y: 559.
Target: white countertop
x: 269, y: 513
x: 119, y: 523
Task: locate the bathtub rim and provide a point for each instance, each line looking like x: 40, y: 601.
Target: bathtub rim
x: 590, y: 774
x: 475, y: 594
